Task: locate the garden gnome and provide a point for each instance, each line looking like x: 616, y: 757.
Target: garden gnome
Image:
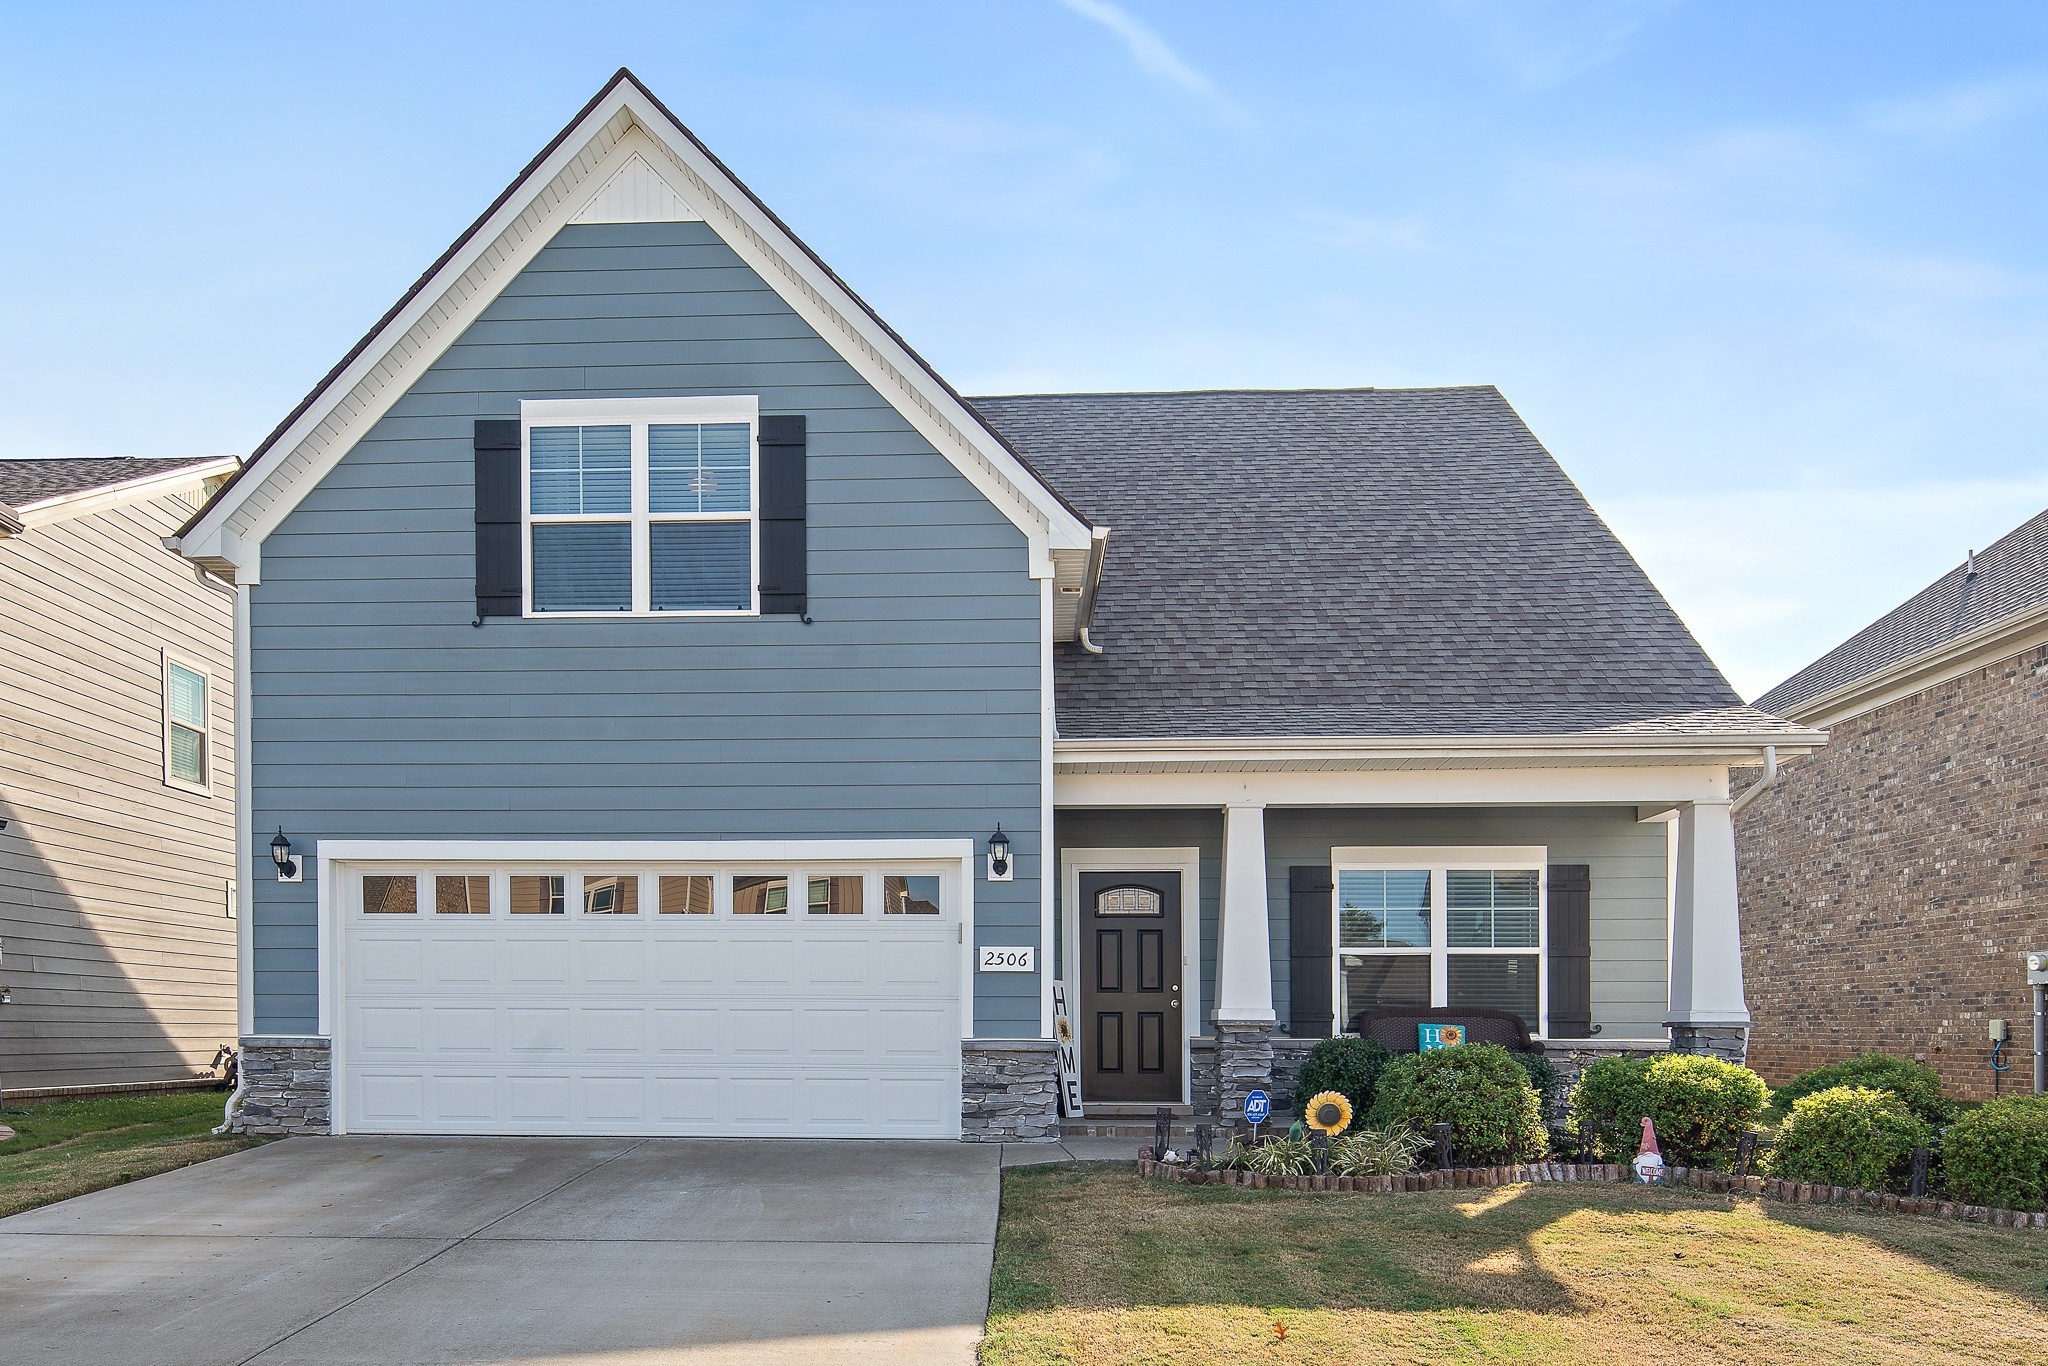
x: 1649, y: 1163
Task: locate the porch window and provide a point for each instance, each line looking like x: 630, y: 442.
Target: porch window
x: 1442, y: 932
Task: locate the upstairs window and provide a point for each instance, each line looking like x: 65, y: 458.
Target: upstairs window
x: 641, y: 507
x: 188, y: 738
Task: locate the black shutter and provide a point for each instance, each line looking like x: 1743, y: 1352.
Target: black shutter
x: 1571, y: 950
x: 500, y: 587
x: 1310, y: 923
x: 784, y: 513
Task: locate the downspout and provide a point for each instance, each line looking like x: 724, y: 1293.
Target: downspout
x: 1762, y: 785
x: 245, y: 891
x: 1091, y: 583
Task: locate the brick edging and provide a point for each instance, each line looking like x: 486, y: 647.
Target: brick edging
x: 1458, y: 1178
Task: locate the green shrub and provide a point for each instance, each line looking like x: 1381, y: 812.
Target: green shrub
x: 1997, y: 1154
x: 1375, y: 1152
x: 1700, y: 1106
x: 1476, y: 1088
x: 1542, y: 1075
x: 1349, y: 1066
x: 1848, y: 1136
x: 1915, y: 1083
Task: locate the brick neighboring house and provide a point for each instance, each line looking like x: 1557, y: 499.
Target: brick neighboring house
x: 1892, y: 882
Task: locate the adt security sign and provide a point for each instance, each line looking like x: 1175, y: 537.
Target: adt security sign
x: 1257, y: 1106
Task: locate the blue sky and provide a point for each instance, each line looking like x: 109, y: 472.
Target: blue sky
x: 1768, y: 279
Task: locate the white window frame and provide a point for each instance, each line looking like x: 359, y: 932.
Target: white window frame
x: 1438, y: 861
x: 637, y: 415
x: 204, y: 787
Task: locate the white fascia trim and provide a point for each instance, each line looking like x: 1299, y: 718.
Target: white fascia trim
x: 1441, y: 855
x: 626, y: 124
x: 541, y: 412
x: 85, y: 502
x: 641, y: 851
x: 1634, y: 749
x: 1972, y: 650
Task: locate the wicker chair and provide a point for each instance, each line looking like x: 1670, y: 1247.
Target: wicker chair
x: 1396, y: 1028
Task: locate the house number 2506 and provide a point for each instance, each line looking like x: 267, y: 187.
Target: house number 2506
x: 999, y: 959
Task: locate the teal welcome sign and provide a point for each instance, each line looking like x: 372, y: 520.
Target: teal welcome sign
x: 1432, y: 1036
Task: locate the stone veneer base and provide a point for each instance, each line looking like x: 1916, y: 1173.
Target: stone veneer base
x: 1009, y: 1091
x: 286, y: 1081
x: 1607, y: 1173
x: 1729, y: 1043
x: 1244, y: 1062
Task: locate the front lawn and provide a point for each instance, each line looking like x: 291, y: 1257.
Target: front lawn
x: 63, y: 1148
x: 1094, y: 1265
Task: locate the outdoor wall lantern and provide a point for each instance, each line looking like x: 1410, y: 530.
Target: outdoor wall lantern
x: 999, y: 855
x: 281, y: 855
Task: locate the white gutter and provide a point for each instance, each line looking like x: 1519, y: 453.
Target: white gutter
x: 1762, y: 785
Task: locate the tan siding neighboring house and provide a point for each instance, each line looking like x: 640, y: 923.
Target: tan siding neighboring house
x: 116, y: 940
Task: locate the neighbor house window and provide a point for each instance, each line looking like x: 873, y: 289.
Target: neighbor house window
x: 641, y: 506
x: 1459, y: 928
x: 188, y: 740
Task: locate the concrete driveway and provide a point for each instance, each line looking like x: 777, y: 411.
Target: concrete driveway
x: 515, y: 1250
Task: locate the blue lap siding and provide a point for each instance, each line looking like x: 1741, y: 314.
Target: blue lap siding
x: 909, y: 709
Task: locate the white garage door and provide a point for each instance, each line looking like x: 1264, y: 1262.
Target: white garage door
x: 682, y: 1000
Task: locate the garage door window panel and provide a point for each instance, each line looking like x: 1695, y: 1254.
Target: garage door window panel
x: 837, y: 895
x: 539, y: 894
x: 754, y: 894
x: 391, y: 894
x: 910, y: 895
x: 462, y: 894
x: 687, y: 894
x: 611, y: 894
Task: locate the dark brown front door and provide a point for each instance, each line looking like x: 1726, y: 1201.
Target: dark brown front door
x: 1131, y: 1031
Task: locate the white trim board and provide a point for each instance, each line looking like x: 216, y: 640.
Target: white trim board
x: 1185, y: 861
x: 623, y: 123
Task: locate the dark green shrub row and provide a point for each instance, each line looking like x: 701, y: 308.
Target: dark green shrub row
x: 1849, y: 1136
x: 1917, y: 1084
x: 1479, y: 1089
x: 1700, y: 1106
x: 1997, y: 1154
x: 1348, y: 1066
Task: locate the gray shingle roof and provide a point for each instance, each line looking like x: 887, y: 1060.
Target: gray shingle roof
x: 1361, y: 562
x: 2011, y: 579
x: 30, y: 481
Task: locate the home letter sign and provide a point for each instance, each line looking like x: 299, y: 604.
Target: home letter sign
x: 1069, y: 1057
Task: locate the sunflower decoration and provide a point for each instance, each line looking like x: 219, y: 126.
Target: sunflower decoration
x: 1329, y: 1111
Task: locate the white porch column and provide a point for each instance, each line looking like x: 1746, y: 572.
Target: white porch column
x: 1244, y: 954
x: 1244, y: 1018
x: 1708, y: 1011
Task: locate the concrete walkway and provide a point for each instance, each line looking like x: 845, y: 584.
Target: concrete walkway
x: 588, y: 1252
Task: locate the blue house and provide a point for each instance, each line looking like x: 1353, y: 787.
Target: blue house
x: 671, y: 708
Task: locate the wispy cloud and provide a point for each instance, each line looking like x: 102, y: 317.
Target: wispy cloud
x: 1154, y: 55
x: 1961, y: 109
x: 1545, y: 43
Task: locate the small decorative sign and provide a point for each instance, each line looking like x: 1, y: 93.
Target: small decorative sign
x: 1007, y: 958
x: 1434, y: 1036
x: 1069, y: 1055
x: 1257, y: 1106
